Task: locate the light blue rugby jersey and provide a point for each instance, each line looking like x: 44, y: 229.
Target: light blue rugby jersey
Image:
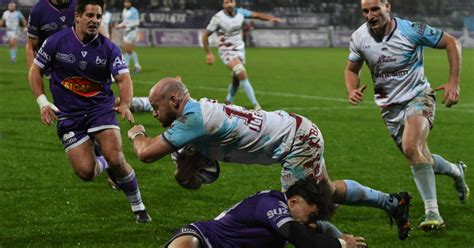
x: 232, y: 133
x: 396, y: 62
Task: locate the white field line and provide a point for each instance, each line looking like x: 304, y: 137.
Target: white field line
x: 290, y: 95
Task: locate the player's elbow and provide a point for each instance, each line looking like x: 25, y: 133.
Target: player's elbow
x: 146, y: 156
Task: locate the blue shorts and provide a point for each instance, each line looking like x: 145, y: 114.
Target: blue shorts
x: 188, y: 230
x: 75, y: 130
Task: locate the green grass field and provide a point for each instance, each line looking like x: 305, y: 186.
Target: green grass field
x: 43, y: 203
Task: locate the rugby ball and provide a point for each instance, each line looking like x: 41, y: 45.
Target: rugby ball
x: 194, y: 169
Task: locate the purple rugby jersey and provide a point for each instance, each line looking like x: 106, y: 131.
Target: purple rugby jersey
x: 45, y: 19
x: 252, y: 222
x: 80, y: 73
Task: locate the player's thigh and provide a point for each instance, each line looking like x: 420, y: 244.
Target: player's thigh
x: 233, y: 62
x: 186, y: 241
x: 82, y: 160
x: 110, y: 143
x: 415, y: 134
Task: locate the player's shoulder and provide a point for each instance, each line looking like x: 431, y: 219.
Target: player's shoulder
x: 361, y: 31
x: 38, y: 7
x: 61, y: 35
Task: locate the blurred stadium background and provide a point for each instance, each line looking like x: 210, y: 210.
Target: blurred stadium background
x: 308, y: 23
x: 296, y: 66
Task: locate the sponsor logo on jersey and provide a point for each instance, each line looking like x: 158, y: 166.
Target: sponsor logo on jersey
x: 67, y: 58
x: 391, y: 74
x: 63, y: 18
x: 84, y: 53
x: 282, y: 210
x: 385, y: 59
x: 44, y: 54
x: 119, y: 60
x: 49, y: 27
x: 99, y: 61
x: 82, y: 86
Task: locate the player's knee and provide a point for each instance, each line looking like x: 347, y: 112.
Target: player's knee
x: 85, y: 174
x: 115, y: 159
x: 412, y: 152
x: 239, y: 71
x: 185, y: 241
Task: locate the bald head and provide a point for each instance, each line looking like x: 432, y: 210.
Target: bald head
x: 167, y: 87
x: 168, y: 98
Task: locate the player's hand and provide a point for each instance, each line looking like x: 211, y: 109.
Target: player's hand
x: 47, y: 110
x: 356, y: 96
x: 132, y: 132
x: 178, y: 78
x: 210, y: 59
x: 451, y: 93
x: 48, y: 114
x: 125, y: 112
x: 353, y: 242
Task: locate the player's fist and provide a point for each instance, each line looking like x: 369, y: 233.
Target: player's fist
x: 355, y: 96
x: 210, y: 59
x: 135, y: 131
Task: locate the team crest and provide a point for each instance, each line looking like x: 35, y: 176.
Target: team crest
x: 83, y: 65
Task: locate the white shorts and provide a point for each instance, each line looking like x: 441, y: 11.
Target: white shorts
x: 395, y: 116
x: 228, y: 54
x: 305, y: 159
x: 130, y: 37
x: 12, y: 34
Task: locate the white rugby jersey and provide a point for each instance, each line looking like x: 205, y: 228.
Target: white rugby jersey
x: 12, y: 19
x: 229, y: 28
x: 106, y: 21
x: 232, y: 133
x: 396, y: 62
x: 130, y: 18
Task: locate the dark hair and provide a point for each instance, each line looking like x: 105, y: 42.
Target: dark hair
x: 81, y: 5
x: 311, y: 192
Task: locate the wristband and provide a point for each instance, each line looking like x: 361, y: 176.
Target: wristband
x: 343, y: 243
x: 137, y: 134
x: 42, y: 101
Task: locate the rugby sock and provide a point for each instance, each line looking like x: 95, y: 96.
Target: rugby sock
x: 12, y: 54
x: 249, y: 91
x: 444, y: 167
x: 129, y: 185
x: 126, y: 56
x: 134, y: 57
x: 424, y: 177
x: 231, y: 91
x: 102, y: 164
x: 359, y: 195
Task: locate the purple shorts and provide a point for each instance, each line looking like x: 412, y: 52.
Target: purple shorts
x: 75, y: 130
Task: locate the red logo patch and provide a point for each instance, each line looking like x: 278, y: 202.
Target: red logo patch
x: 82, y: 86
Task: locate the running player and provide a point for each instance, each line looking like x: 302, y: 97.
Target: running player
x: 11, y: 18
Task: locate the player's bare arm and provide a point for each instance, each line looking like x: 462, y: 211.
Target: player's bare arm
x: 47, y: 109
x: 266, y: 17
x: 124, y: 83
x: 205, y: 43
x: 148, y: 149
x: 355, y: 93
x: 451, y: 88
x: 31, y: 48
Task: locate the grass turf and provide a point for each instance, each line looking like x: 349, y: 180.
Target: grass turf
x: 42, y: 202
